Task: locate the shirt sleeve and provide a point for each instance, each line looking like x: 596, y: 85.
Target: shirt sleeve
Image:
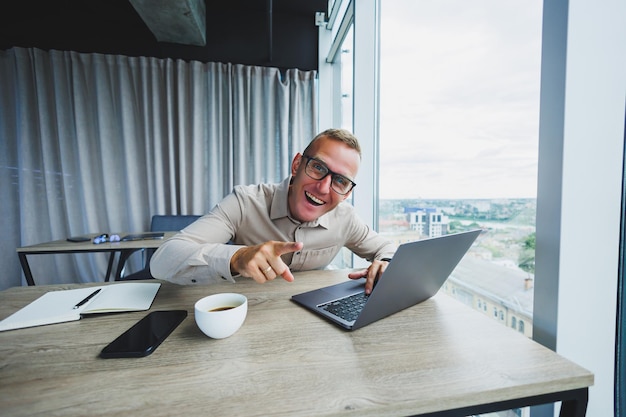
x: 365, y: 242
x: 200, y: 253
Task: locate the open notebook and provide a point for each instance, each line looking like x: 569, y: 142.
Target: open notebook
x: 69, y: 305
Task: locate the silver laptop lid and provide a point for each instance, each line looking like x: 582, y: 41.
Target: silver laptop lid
x: 417, y: 271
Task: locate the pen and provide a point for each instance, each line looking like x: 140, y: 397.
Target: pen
x: 89, y: 297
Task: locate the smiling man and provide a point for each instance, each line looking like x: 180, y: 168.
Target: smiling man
x: 273, y: 229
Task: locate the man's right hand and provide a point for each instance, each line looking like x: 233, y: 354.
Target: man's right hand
x: 263, y: 262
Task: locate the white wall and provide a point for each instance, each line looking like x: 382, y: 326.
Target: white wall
x: 580, y: 183
x: 366, y: 109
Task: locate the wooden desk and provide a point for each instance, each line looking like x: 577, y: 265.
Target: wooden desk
x: 63, y: 246
x: 431, y: 358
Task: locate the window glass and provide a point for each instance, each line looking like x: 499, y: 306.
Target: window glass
x: 345, y: 68
x: 459, y: 121
x: 347, y: 81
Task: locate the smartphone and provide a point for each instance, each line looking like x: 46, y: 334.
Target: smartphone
x: 78, y: 239
x: 145, y: 336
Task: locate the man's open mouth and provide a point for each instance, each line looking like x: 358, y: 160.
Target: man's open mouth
x: 313, y: 200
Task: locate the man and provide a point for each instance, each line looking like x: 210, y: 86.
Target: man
x: 299, y: 224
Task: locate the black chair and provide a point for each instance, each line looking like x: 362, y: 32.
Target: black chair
x: 160, y: 223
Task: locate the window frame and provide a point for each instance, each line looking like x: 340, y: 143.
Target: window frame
x: 580, y: 39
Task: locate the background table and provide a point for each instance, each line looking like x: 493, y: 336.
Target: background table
x: 125, y: 249
x: 436, y: 356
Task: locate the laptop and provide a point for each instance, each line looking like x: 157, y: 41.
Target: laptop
x: 417, y: 271
x: 143, y: 236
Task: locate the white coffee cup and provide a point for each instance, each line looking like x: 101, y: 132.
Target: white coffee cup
x: 221, y: 315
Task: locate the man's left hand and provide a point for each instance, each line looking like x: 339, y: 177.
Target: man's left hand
x: 371, y: 274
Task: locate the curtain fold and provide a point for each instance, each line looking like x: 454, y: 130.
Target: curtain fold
x: 100, y: 143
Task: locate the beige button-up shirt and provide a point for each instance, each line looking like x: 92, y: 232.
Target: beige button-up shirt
x: 254, y: 214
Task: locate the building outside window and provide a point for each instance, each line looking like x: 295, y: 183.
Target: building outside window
x: 459, y: 125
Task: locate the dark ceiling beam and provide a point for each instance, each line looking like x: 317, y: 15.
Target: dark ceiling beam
x: 179, y: 21
x: 270, y: 29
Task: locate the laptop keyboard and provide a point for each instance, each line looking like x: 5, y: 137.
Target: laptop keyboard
x: 347, y: 308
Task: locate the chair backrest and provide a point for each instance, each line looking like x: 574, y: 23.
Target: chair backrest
x: 171, y: 223
x: 161, y: 223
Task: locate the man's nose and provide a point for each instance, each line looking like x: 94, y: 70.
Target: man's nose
x: 324, y: 184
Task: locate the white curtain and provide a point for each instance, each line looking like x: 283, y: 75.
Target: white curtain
x: 99, y: 143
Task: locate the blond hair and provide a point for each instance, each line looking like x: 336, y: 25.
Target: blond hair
x: 341, y: 135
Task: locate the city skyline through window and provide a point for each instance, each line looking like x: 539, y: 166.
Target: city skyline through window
x: 459, y: 126
x: 459, y: 117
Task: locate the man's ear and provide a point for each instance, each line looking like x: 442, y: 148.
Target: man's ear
x: 295, y: 164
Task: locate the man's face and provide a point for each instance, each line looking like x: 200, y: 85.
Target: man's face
x: 309, y: 198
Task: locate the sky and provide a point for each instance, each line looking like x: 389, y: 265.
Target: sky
x: 459, y: 112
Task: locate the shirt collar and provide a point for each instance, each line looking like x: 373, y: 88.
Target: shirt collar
x: 280, y: 207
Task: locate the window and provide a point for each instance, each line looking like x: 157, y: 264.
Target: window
x: 459, y: 117
x: 347, y: 78
x: 344, y: 118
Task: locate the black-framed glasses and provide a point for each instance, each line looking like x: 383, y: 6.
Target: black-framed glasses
x: 318, y: 170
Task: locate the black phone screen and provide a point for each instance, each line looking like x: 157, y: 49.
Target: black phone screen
x: 78, y: 239
x: 145, y: 336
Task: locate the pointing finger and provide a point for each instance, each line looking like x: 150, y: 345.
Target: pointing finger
x: 286, y: 247
x: 287, y: 275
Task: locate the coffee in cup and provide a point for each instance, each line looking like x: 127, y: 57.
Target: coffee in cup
x: 221, y: 308
x: 221, y: 315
